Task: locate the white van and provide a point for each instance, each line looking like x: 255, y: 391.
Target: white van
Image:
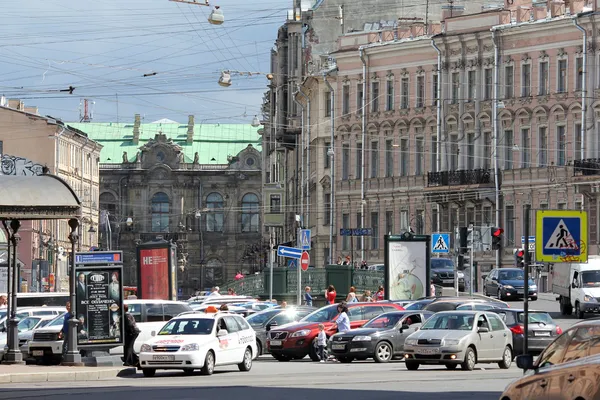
x: 578, y: 287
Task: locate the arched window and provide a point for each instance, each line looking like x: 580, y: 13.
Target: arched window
x: 108, y: 202
x: 250, y: 213
x: 160, y: 212
x: 213, y: 273
x: 214, y: 216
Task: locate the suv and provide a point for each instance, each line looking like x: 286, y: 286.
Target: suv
x: 442, y: 273
x: 299, y: 339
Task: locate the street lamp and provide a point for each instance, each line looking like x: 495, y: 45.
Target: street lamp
x: 255, y: 122
x: 129, y: 222
x: 72, y: 357
x: 216, y: 16
x: 14, y: 355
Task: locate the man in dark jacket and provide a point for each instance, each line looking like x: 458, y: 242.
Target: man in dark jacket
x: 65, y: 328
x: 131, y: 333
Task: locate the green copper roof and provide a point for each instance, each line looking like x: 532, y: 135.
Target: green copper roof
x: 210, y: 140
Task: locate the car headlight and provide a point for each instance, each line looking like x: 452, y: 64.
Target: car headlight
x: 507, y: 287
x: 303, y: 332
x: 533, y: 287
x: 410, y: 342
x: 361, y: 339
x: 146, y: 348
x: 589, y: 298
x: 451, y: 342
x: 190, y: 347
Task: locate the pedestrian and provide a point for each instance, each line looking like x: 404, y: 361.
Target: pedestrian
x: 432, y: 289
x: 3, y: 301
x: 239, y: 276
x: 131, y: 334
x: 339, y: 260
x: 379, y: 295
x: 342, y: 321
x: 308, y: 300
x: 330, y: 294
x: 224, y: 307
x: 322, y: 342
x: 366, y: 297
x: 231, y: 292
x: 284, y: 304
x: 65, y: 328
x: 215, y: 291
x: 351, y: 298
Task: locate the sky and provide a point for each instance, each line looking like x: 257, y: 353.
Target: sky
x: 103, y: 49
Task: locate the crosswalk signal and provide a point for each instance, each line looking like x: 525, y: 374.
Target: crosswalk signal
x: 497, y: 238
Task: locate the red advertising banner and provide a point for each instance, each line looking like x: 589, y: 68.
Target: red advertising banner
x: 154, y: 276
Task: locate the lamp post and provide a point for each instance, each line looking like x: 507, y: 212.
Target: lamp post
x: 14, y: 355
x: 92, y: 231
x: 72, y: 357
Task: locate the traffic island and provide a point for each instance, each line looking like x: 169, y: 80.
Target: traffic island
x: 36, y: 374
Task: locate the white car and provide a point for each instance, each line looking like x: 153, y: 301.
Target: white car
x: 200, y: 341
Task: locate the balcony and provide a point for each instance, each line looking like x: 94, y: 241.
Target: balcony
x: 460, y: 177
x: 587, y: 167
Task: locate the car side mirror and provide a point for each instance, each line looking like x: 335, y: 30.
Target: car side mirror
x: 573, y: 285
x: 525, y: 362
x: 482, y: 329
x: 153, y: 333
x: 404, y: 327
x: 222, y: 332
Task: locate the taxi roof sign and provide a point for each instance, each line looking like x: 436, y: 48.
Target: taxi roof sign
x: 561, y: 236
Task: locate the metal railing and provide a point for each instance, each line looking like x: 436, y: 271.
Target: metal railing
x: 459, y: 177
x: 587, y: 167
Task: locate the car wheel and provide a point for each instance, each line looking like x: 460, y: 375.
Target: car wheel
x: 507, y: 357
x: 188, y: 371
x: 259, y: 348
x: 470, y: 359
x: 534, y: 298
x: 578, y: 313
x: 280, y: 357
x: 313, y: 353
x: 246, y: 364
x: 451, y: 367
x: 383, y: 352
x: 411, y: 365
x: 149, y: 372
x: 345, y: 360
x: 209, y: 364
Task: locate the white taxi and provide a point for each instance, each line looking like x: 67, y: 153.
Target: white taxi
x: 198, y: 340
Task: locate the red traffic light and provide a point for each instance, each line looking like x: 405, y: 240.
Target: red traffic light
x: 497, y: 232
x: 520, y: 253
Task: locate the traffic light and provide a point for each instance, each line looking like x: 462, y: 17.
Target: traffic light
x: 463, y: 238
x: 497, y: 238
x: 520, y: 258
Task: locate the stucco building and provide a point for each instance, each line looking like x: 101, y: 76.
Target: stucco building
x: 198, y: 185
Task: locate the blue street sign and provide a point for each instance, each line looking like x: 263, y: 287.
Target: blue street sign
x: 292, y: 263
x: 441, y: 243
x: 561, y: 235
x: 289, y: 252
x: 356, y: 232
x: 99, y: 257
x: 345, y: 232
x: 305, y: 239
x: 531, y: 239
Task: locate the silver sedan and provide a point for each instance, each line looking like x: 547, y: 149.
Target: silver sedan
x: 462, y: 338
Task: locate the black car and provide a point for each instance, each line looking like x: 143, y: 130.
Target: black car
x: 382, y: 338
x: 542, y: 329
x: 508, y: 283
x: 442, y: 273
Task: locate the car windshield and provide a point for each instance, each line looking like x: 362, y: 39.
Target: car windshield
x: 384, y: 321
x: 28, y: 323
x: 196, y: 326
x: 452, y: 322
x: 261, y: 318
x: 417, y: 305
x: 58, y: 321
x: 536, y: 318
x: 324, y: 314
x: 590, y: 278
x: 514, y: 275
x: 441, y: 263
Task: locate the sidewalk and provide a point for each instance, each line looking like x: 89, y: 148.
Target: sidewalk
x: 36, y: 373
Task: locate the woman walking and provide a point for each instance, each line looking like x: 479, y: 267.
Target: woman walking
x: 330, y: 294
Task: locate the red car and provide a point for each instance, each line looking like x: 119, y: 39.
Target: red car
x: 295, y: 341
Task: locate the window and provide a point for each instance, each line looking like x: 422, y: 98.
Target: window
x: 543, y: 89
x: 420, y: 92
x: 594, y: 347
x: 404, y: 157
x: 1, y: 147
x: 250, y: 213
x: 374, y: 159
x: 375, y: 228
x: 326, y: 158
x: 434, y: 219
x: 371, y: 312
x: 327, y: 209
x: 525, y: 148
x: 374, y: 97
x: 215, y: 216
x: 509, y: 81
x: 345, y: 225
x: 561, y: 144
x: 543, y: 143
x: 358, y: 158
x: 389, y: 158
x: 508, y: 149
x: 578, y: 73
x: 404, y: 93
x: 275, y: 204
x: 420, y: 222
x: 495, y: 322
x: 419, y: 156
x: 434, y: 89
x: 154, y: 312
x: 359, y: 98
x: 232, y: 324
x: 525, y: 80
x: 355, y: 314
x: 345, y: 100
x: 389, y: 95
x: 433, y: 153
x: 553, y: 354
x: 510, y: 225
x: 455, y: 86
x: 173, y: 310
x: 345, y: 161
x: 487, y: 215
x: 488, y: 84
x: 359, y: 223
x: 577, y: 149
x: 471, y: 85
x: 453, y: 152
x: 160, y: 212
x: 561, y: 85
x: 328, y: 104
x: 389, y: 222
x: 403, y: 220
x: 471, y: 151
x: 487, y: 149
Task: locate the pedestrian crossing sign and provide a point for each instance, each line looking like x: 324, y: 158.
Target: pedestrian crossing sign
x: 561, y: 236
x: 441, y: 243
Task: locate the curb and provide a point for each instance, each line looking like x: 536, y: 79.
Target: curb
x: 77, y: 376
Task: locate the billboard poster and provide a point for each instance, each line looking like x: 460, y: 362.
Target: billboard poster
x: 154, y: 277
x: 407, y: 267
x: 99, y: 305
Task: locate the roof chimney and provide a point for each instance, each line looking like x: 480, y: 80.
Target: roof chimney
x: 451, y: 10
x: 557, y: 8
x: 190, y: 130
x: 136, y: 129
x: 540, y: 10
x: 576, y: 6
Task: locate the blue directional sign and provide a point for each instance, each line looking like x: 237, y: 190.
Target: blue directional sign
x: 441, y: 243
x: 305, y: 239
x: 356, y: 232
x: 561, y: 236
x: 289, y: 252
x: 531, y: 242
x: 345, y: 232
x: 99, y: 257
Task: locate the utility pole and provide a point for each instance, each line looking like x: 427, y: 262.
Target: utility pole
x: 471, y: 273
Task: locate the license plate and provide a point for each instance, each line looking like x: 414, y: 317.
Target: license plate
x: 338, y: 346
x: 520, y: 292
x: 448, y: 280
x: 37, y: 353
x: 276, y: 342
x: 428, y: 351
x: 163, y: 358
x: 541, y: 333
